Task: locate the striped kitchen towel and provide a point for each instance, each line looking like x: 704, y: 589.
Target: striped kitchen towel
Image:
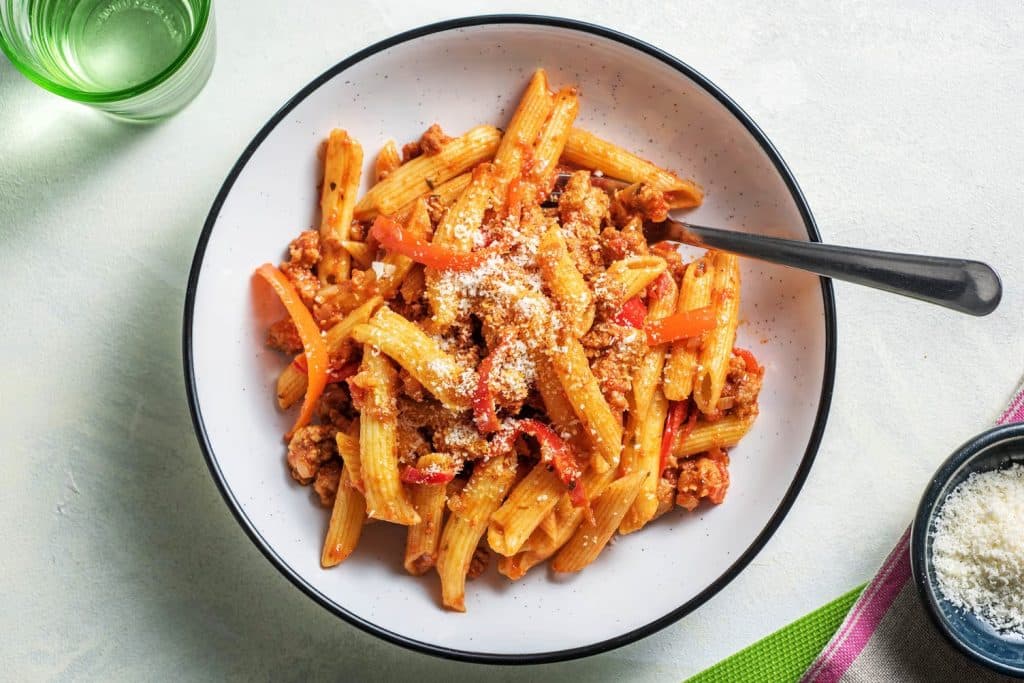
x: 887, y: 636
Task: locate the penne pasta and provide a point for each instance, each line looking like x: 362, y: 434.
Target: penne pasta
x: 425, y: 173
x: 467, y: 523
x: 397, y: 267
x: 361, y: 252
x: 629, y: 277
x: 527, y: 121
x: 584, y: 394
x: 343, y: 164
x: 717, y: 348
x: 409, y: 346
x: 651, y: 409
x: 553, y: 138
x: 590, y: 539
x: 387, y: 161
x: 559, y: 526
x: 568, y: 288
x: 385, y: 497
x: 530, y: 502
x: 648, y: 451
x: 469, y: 309
x: 346, y: 525
x: 723, y: 433
x: 429, y: 501
x: 291, y: 383
x: 681, y: 365
x: 589, y: 151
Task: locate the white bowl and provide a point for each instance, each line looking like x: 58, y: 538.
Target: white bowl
x: 461, y: 73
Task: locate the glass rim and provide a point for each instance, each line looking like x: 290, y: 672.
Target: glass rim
x: 85, y: 96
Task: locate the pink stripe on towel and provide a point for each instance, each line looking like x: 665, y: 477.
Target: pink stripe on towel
x: 864, y: 618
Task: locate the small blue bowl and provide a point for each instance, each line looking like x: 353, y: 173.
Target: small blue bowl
x: 995, y: 449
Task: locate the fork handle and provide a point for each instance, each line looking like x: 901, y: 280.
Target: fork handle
x: 966, y: 286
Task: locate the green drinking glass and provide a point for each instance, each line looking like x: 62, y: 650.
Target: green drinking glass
x: 138, y: 60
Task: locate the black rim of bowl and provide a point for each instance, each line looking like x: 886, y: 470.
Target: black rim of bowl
x: 919, y: 535
x: 828, y: 301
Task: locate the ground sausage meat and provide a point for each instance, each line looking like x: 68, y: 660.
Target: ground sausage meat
x: 308, y: 449
x: 583, y: 209
x: 739, y: 395
x: 430, y: 143
x: 641, y: 201
x: 282, y: 336
x: 303, y: 254
x: 326, y: 483
x: 615, y: 352
x: 619, y: 244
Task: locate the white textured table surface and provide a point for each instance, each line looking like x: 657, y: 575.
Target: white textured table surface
x: 120, y: 560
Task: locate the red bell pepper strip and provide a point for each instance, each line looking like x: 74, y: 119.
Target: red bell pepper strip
x: 632, y: 314
x: 716, y: 494
x: 414, y: 475
x: 748, y: 359
x: 393, y: 238
x: 687, y: 324
x: 312, y: 342
x: 555, y: 452
x: 484, y: 414
x: 677, y: 412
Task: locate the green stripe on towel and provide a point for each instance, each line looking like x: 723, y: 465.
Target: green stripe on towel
x: 786, y: 654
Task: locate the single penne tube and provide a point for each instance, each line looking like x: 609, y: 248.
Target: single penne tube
x: 662, y: 303
x: 652, y: 426
x: 590, y: 539
x: 378, y: 423
x: 421, y: 356
x: 552, y: 535
x: 424, y: 173
x: 446, y: 193
x: 629, y: 277
x: 553, y: 138
x: 647, y: 406
x: 450, y: 190
x: 361, y: 252
x: 529, y: 502
x: 522, y: 131
x: 348, y: 449
x: 346, y: 525
x: 681, y: 364
x: 556, y: 403
x: 487, y: 487
x: 586, y: 150
x: 569, y: 290
x: 723, y: 433
x: 387, y: 161
x: 291, y: 383
x: 429, y: 500
x: 343, y: 164
x: 713, y: 363
x: 592, y: 410
x: 461, y: 224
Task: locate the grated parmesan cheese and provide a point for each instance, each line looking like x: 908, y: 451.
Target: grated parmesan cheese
x: 978, y: 548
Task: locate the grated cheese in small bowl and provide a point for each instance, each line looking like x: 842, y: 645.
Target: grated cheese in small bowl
x: 967, y: 549
x: 978, y: 548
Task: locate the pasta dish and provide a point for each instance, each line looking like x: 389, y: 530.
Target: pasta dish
x: 484, y: 348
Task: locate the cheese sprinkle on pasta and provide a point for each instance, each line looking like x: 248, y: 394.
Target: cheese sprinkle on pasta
x: 978, y: 547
